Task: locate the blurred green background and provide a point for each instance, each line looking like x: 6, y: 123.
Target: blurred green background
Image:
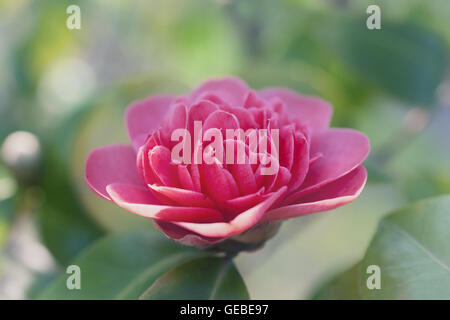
x: 69, y: 88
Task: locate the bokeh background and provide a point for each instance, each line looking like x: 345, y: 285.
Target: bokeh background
x: 68, y: 89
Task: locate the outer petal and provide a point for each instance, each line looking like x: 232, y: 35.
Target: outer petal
x: 335, y: 194
x: 140, y: 201
x: 314, y: 111
x: 242, y: 222
x: 184, y: 236
x: 184, y: 197
x: 145, y: 115
x: 240, y: 204
x: 111, y: 164
x: 229, y: 89
x: 342, y: 151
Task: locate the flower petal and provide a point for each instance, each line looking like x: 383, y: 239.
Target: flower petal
x: 333, y: 195
x: 240, y: 204
x: 201, y: 110
x: 231, y: 90
x: 143, y: 116
x: 184, y: 197
x: 221, y: 120
x: 111, y: 164
x: 287, y: 146
x: 312, y: 110
x: 183, y: 236
x: 143, y: 162
x: 140, y: 200
x: 342, y: 151
x: 242, y: 222
x: 300, y: 163
x: 216, y: 183
x: 160, y: 161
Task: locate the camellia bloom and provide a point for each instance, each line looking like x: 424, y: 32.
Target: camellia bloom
x: 201, y: 204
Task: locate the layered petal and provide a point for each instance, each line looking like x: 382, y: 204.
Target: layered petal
x: 342, y: 150
x: 239, y: 224
x: 111, y: 164
x: 160, y: 162
x: 229, y: 89
x: 333, y: 195
x: 183, y: 236
x: 141, y: 201
x: 143, y: 116
x: 184, y: 197
x: 313, y: 111
x: 305, y: 168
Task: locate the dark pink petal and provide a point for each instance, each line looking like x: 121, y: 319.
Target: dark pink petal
x: 253, y: 101
x: 141, y: 201
x: 238, y: 165
x: 201, y: 110
x: 143, y: 162
x: 240, y: 204
x: 184, y: 197
x: 215, y: 182
x: 184, y: 236
x: 177, y: 119
x: 230, y: 90
x: 111, y: 164
x: 244, y: 177
x: 213, y: 98
x: 195, y: 175
x: 246, y: 120
x: 185, y: 178
x: 241, y: 223
x: 283, y: 178
x: 232, y: 185
x: 143, y: 116
x: 287, y: 146
x: 342, y: 151
x: 314, y: 111
x: 261, y: 116
x: 178, y: 116
x: 300, y: 164
x: 221, y: 120
x: 267, y: 180
x: 277, y: 105
x: 160, y: 161
x: 333, y: 195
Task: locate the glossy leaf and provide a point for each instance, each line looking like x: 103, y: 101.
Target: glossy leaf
x: 344, y: 287
x: 121, y: 266
x: 412, y: 252
x: 203, y: 278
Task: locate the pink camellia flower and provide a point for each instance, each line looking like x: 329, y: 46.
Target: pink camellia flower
x: 203, y: 203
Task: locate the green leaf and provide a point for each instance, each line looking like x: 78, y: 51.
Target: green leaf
x: 405, y: 59
x: 203, y: 278
x: 344, y: 287
x: 121, y: 266
x: 411, y: 248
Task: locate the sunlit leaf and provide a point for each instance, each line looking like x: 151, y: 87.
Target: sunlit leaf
x: 411, y: 249
x: 202, y: 278
x: 121, y: 266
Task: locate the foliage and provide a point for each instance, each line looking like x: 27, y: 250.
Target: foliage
x: 71, y: 87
